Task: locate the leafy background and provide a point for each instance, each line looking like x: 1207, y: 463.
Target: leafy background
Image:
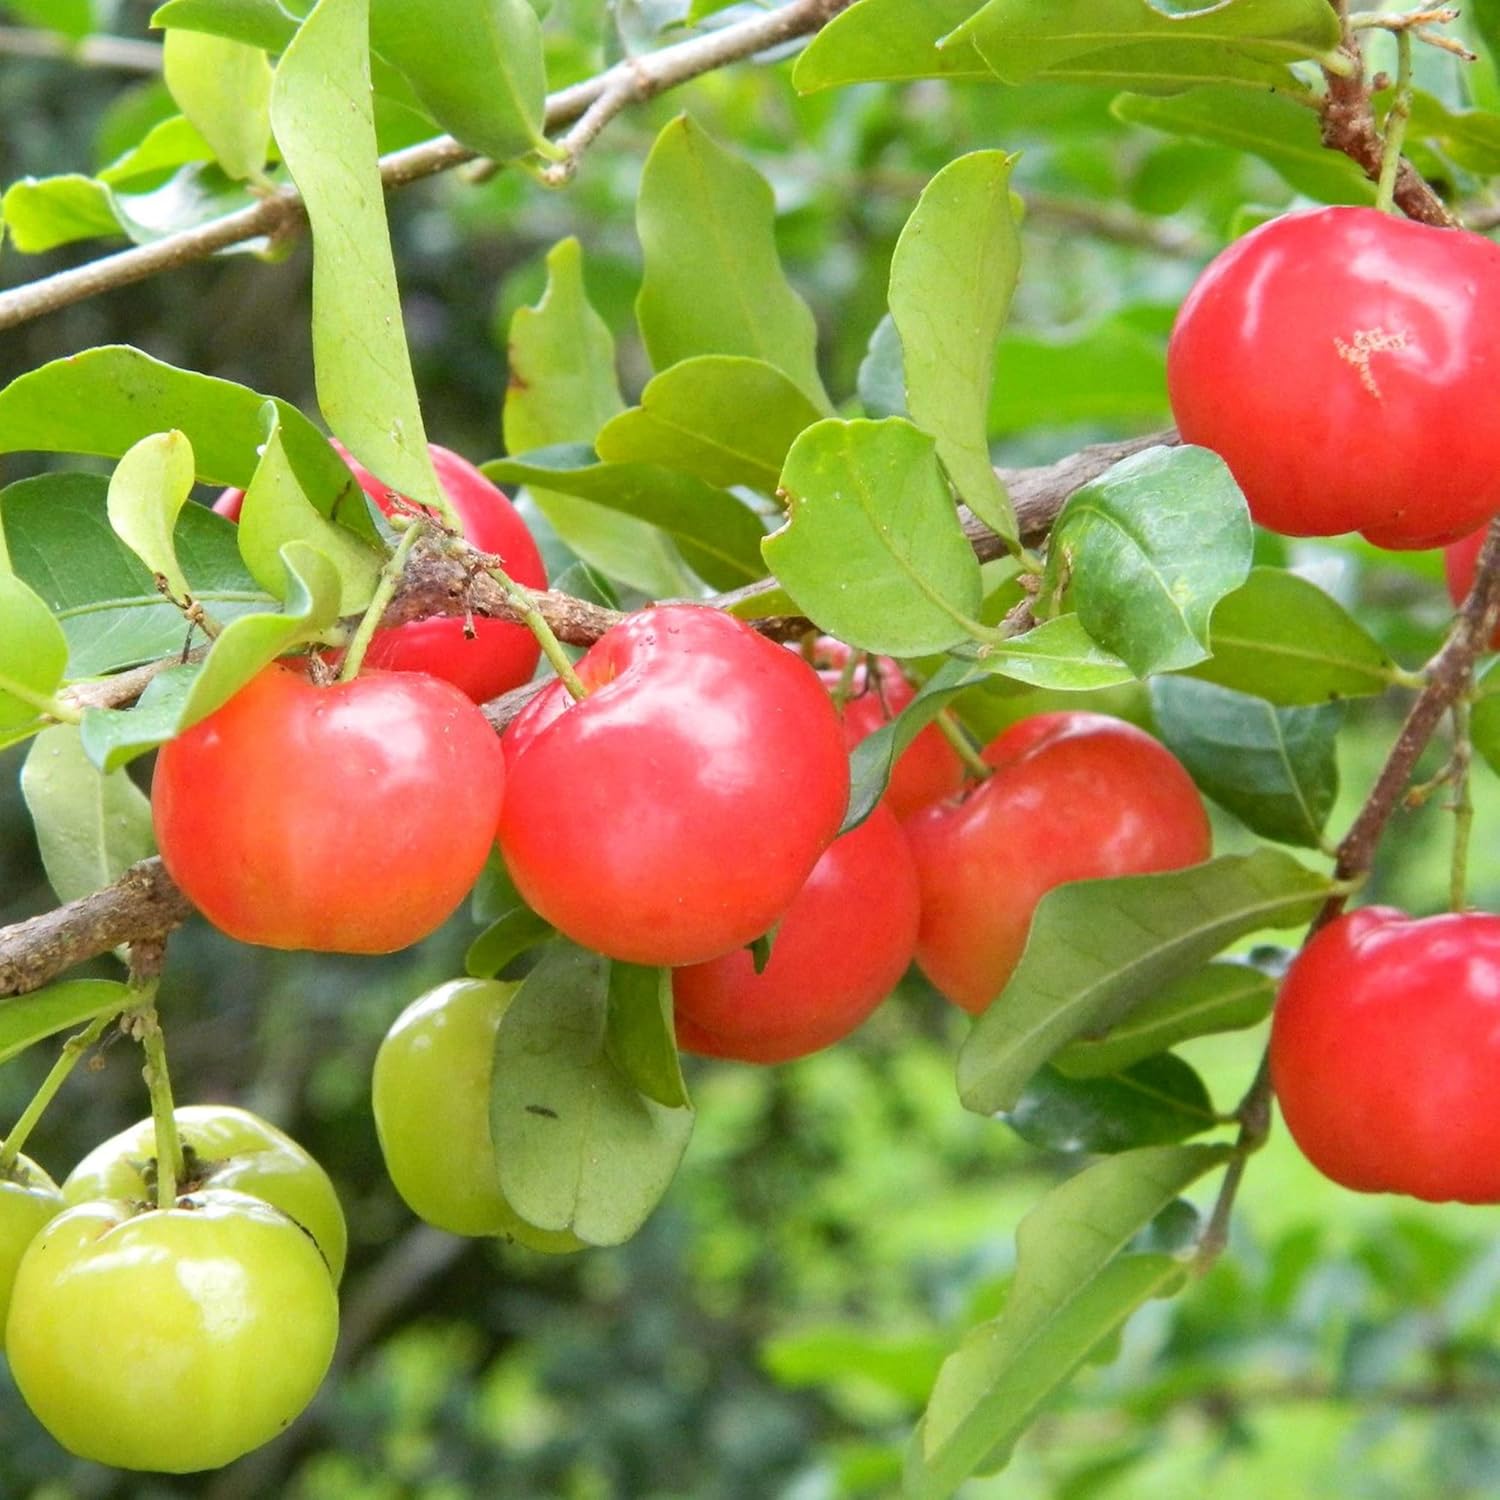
x: 775, y: 1329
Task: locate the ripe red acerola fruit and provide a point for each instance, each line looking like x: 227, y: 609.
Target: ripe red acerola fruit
x: 499, y: 655
x: 1074, y: 796
x: 841, y: 947
x: 1341, y: 362
x: 349, y: 819
x: 672, y: 814
x: 1385, y: 1048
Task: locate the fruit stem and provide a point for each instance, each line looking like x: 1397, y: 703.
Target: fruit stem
x: 963, y: 747
x: 385, y: 591
x: 1463, y: 808
x: 143, y: 1023
x: 531, y: 617
x: 72, y: 1052
x: 1395, y: 127
x: 845, y: 684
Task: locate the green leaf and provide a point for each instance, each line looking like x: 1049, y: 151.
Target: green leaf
x: 90, y: 827
x: 41, y: 213
x: 505, y: 940
x: 322, y: 114
x: 961, y: 248
x: 224, y: 88
x: 872, y: 549
x: 1282, y: 638
x: 113, y: 737
x: 1219, y: 997
x: 886, y: 41
x: 1275, y: 769
x: 33, y: 654
x: 882, y: 374
x: 1058, y: 654
x: 578, y: 1146
x: 147, y: 491
x: 258, y: 23
x: 1283, y: 133
x: 1151, y: 546
x: 719, y: 536
x: 1154, y: 1102
x: 28, y: 1019
x: 476, y: 65
x: 1073, y: 1289
x: 106, y: 400
x: 727, y: 419
x: 70, y: 18
x: 276, y: 511
x: 713, y: 282
x: 1099, y: 948
x: 642, y: 1035
x: 169, y: 144
x: 106, y: 601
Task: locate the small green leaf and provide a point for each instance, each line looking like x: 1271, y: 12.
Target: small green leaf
x: 1219, y: 997
x: 642, y: 1035
x: 727, y: 419
x: 1150, y: 547
x: 90, y: 827
x: 476, y: 65
x: 257, y: 23
x: 872, y: 549
x: 882, y: 374
x: 713, y: 282
x: 1275, y: 769
x: 887, y: 41
x: 1058, y: 654
x: 147, y: 491
x: 1154, y: 1102
x: 961, y: 248
x: 224, y: 88
x: 1099, y: 948
x: 28, y: 1019
x: 578, y: 1146
x: 113, y: 737
x: 505, y: 940
x: 169, y: 144
x: 1282, y: 638
x: 33, y: 654
x: 41, y: 213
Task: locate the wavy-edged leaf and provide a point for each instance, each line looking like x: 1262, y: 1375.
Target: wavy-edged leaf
x: 224, y: 88
x: 28, y: 1019
x: 147, y: 491
x: 33, y: 654
x: 889, y: 41
x: 41, y: 213
x: 1058, y: 654
x: 258, y: 23
x: 113, y: 737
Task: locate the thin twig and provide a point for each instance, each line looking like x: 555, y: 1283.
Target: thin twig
x: 121, y: 52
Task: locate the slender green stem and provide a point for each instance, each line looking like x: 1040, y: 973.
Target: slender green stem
x: 72, y: 1053
x: 952, y: 731
x: 531, y: 617
x: 385, y: 591
x: 43, y: 703
x: 845, y: 684
x: 1395, y: 127
x: 169, y: 1164
x: 1463, y: 808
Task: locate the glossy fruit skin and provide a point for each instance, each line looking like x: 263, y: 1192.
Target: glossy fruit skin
x: 840, y: 949
x: 170, y: 1341
x: 1385, y: 1047
x: 348, y: 819
x: 1343, y: 363
x: 498, y: 656
x: 674, y: 813
x: 431, y: 1097
x: 1075, y: 796
x: 29, y: 1200
x: 230, y: 1148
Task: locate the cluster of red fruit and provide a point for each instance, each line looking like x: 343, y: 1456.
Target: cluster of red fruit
x: 1345, y: 365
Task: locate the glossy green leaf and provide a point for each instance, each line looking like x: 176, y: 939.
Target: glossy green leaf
x: 33, y: 653
x: 90, y: 827
x: 882, y: 373
x: 877, y: 41
x: 577, y: 1145
x: 1219, y: 997
x: 1150, y: 547
x: 224, y: 88
x: 111, y: 612
x: 171, y: 143
x: 147, y: 491
x: 872, y: 549
x: 1074, y: 1287
x: 1058, y: 654
x: 70, y: 18
x: 41, y: 213
x: 641, y: 1036
x: 112, y: 737
x: 1275, y: 769
x: 1282, y: 638
x: 476, y: 65
x: 1154, y: 1102
x: 322, y: 114
x: 28, y: 1019
x: 960, y: 248
x: 505, y: 940
x: 713, y: 282
x: 1099, y: 948
x: 727, y: 419
x: 258, y: 23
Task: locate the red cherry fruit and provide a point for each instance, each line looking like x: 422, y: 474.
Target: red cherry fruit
x: 499, y: 656
x: 1074, y: 796
x: 929, y: 767
x: 1343, y: 363
x: 1385, y: 1048
x: 349, y: 819
x: 840, y: 949
x: 674, y: 813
